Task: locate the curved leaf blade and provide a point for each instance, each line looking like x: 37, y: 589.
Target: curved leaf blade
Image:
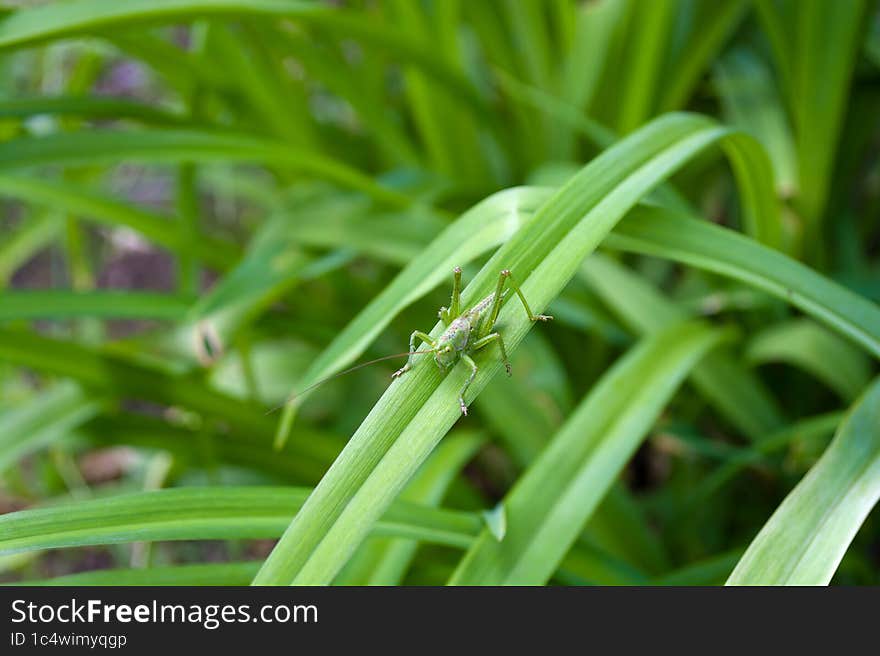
x: 805, y: 539
x: 178, y: 575
x: 550, y: 504
x: 831, y: 359
x: 663, y: 233
x: 164, y: 146
x: 419, y: 408
x: 204, y: 513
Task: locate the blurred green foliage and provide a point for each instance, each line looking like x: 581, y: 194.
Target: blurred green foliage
x: 210, y: 204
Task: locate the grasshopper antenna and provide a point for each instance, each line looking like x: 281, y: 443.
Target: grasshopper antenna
x: 293, y: 397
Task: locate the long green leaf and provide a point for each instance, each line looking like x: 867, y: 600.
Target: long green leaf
x: 17, y: 248
x: 752, y: 102
x: 61, y: 304
x: 43, y: 420
x: 820, y: 352
x: 304, y: 460
x: 734, y: 390
x: 650, y: 28
x: 549, y: 505
x: 383, y: 561
x: 805, y: 539
x: 816, y: 81
x: 525, y: 411
x: 114, y: 374
x: 663, y: 233
x: 799, y: 431
x: 419, y: 408
x: 35, y: 25
x: 820, y: 91
x: 183, y: 575
x: 163, y: 146
x: 712, y: 571
x: 205, y: 513
x: 708, y: 26
x: 88, y: 107
x: 94, y: 207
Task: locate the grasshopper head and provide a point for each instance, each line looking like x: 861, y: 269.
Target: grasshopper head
x: 446, y: 356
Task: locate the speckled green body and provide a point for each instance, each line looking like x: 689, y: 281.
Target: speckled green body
x: 458, y: 334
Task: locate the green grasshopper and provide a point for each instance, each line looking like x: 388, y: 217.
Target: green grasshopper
x: 467, y: 331
x: 455, y: 343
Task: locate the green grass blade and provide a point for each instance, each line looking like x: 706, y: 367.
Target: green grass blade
x: 640, y: 72
x: 120, y: 376
x: 397, y: 238
x: 621, y: 526
x: 524, y: 411
x: 820, y: 92
x: 359, y: 88
x: 659, y: 232
x: 818, y: 351
x: 382, y: 561
x: 272, y: 267
x: 224, y: 574
x: 448, y: 134
x: 89, y: 107
x: 173, y: 146
x: 712, y: 571
x: 710, y: 25
x: 735, y: 391
x: 181, y: 70
x: 36, y: 25
x: 90, y: 206
x: 58, y: 304
x: 418, y: 409
x: 752, y: 102
x: 30, y: 26
x: 777, y: 29
x: 205, y: 513
x: 279, y: 105
x: 533, y: 98
x: 35, y: 233
x: 187, y: 205
x: 43, y: 420
x: 549, y: 505
x: 801, y: 431
x: 584, y: 64
x: 587, y: 564
x: 805, y: 539
x: 527, y: 27
x: 304, y: 460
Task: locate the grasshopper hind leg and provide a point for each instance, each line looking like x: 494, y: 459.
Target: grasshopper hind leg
x: 447, y: 315
x: 473, y: 365
x: 511, y: 282
x: 494, y: 337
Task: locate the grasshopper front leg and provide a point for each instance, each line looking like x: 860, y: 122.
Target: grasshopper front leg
x: 417, y: 335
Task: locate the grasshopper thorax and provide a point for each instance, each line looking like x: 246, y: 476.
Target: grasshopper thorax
x: 453, y: 340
